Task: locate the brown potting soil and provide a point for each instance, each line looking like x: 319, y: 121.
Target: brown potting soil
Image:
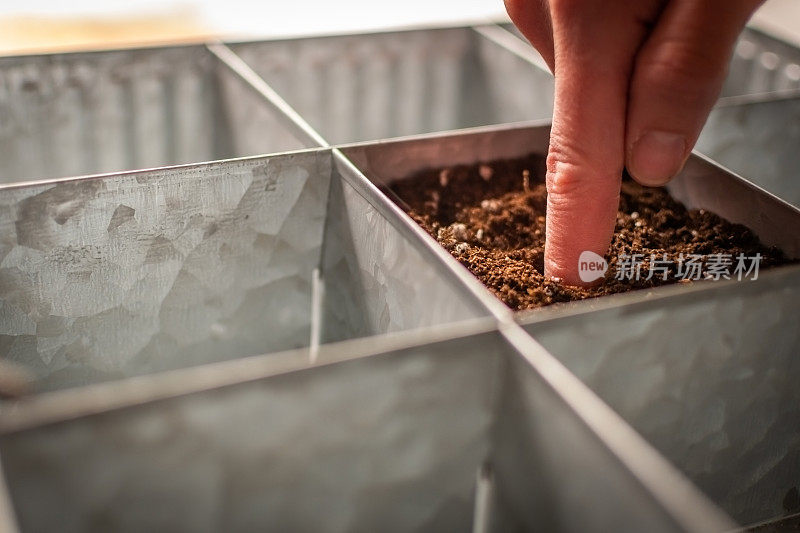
x: 491, y: 217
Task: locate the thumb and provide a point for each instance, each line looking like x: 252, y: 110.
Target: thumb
x: 677, y: 77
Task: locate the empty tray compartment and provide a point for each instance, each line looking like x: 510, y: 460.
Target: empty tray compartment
x: 708, y: 376
x: 111, y: 276
x: 758, y: 137
x: 86, y: 113
x: 455, y: 433
x: 373, y: 86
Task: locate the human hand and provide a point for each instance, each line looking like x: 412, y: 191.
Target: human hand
x: 635, y: 81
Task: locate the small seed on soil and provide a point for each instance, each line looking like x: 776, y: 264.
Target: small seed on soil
x: 479, y: 234
x: 459, y: 231
x: 635, y: 215
x: 486, y: 172
x: 492, y: 206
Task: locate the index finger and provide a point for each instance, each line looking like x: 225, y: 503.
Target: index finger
x: 595, y: 43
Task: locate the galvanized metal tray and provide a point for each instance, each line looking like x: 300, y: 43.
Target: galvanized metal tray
x: 269, y: 342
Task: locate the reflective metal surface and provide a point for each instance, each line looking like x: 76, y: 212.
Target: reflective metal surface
x: 377, y: 277
x: 134, y: 273
x: 760, y: 64
x: 547, y: 463
x: 702, y: 184
x: 360, y: 87
x: 382, y: 435
x: 708, y: 376
x: 339, y: 448
x: 72, y: 114
x: 124, y: 274
x: 758, y: 137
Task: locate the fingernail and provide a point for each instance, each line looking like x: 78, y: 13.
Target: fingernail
x: 657, y: 156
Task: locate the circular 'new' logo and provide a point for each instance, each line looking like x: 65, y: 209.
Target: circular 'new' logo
x: 591, y: 266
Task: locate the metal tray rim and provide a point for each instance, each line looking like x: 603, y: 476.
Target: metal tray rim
x: 68, y: 404
x: 633, y: 299
x: 758, y: 98
x: 456, y: 25
x: 166, y: 168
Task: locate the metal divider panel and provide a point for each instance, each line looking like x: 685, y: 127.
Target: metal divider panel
x: 554, y: 472
x: 388, y: 442
x: 373, y: 86
x: 708, y: 376
x: 518, y: 80
x: 758, y: 137
x: 247, y: 124
x: 378, y: 278
x: 118, y: 275
x: 285, y: 116
x: 702, y: 184
x: 85, y: 113
x: 381, y: 434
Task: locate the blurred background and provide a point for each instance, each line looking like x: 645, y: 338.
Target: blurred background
x: 47, y: 25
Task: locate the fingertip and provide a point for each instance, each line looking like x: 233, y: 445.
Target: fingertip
x: 561, y: 274
x: 571, y: 273
x: 579, y: 233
